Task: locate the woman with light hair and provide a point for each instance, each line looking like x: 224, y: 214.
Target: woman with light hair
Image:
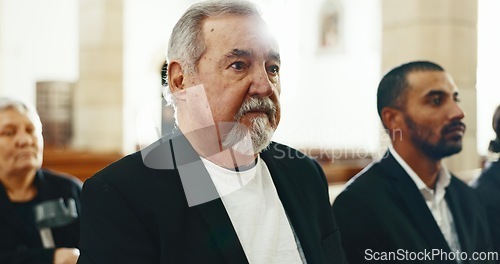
x: 29, y: 232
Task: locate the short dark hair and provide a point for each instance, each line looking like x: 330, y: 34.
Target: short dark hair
x: 394, y: 85
x: 495, y: 144
x: 496, y: 122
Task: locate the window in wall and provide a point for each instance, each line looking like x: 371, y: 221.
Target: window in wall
x: 328, y: 94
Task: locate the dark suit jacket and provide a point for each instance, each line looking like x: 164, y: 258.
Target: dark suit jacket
x: 487, y: 187
x: 382, y: 210
x: 132, y: 213
x: 17, y: 244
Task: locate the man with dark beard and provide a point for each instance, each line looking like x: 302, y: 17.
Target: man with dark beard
x: 407, y: 206
x: 217, y: 190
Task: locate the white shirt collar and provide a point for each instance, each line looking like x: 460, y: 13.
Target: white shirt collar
x: 227, y: 181
x: 435, y: 200
x: 443, y: 179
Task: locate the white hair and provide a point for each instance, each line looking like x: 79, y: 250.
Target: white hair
x: 7, y: 103
x: 186, y: 41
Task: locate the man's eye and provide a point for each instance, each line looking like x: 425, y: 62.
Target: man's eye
x: 238, y: 65
x: 274, y: 69
x: 436, y: 100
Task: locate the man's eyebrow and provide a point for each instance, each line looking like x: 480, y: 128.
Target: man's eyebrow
x: 273, y: 55
x: 435, y: 92
x: 440, y: 93
x: 239, y: 53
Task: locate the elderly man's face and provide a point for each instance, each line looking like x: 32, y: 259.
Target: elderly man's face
x: 240, y: 67
x: 21, y: 144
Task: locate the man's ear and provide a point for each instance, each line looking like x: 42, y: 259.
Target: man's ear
x: 392, y: 118
x: 175, y: 77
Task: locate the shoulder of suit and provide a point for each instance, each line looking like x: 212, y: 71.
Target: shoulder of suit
x: 125, y: 167
x: 489, y: 176
x: 459, y: 184
x: 371, y: 180
x: 291, y: 159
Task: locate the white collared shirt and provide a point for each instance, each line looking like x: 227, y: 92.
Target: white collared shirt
x: 257, y: 214
x: 435, y: 200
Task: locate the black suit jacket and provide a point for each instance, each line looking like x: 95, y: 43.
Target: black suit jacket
x: 133, y: 213
x: 17, y: 244
x: 382, y: 210
x: 487, y: 187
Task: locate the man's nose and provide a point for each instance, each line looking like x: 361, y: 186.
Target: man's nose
x: 456, y: 112
x: 261, y: 85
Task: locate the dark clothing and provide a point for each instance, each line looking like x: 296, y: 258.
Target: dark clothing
x: 26, y: 214
x: 487, y: 187
x: 132, y: 213
x: 20, y: 240
x: 382, y: 210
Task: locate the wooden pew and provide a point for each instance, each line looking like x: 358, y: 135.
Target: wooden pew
x: 81, y: 164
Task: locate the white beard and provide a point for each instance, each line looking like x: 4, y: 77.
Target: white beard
x: 249, y: 141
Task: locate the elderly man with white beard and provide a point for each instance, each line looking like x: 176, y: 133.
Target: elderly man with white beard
x: 216, y: 190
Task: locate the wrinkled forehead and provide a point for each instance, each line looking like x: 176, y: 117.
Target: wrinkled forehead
x: 24, y: 113
x: 250, y: 29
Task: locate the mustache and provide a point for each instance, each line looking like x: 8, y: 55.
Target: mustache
x: 453, y: 126
x: 257, y: 104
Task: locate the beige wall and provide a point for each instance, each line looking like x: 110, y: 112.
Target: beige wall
x: 38, y: 42
x: 99, y: 94
x: 440, y: 30
x: 2, y: 55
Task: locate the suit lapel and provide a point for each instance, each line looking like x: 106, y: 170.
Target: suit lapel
x: 453, y: 200
x: 221, y: 231
x: 293, y: 201
x: 414, y: 204
x: 201, y: 194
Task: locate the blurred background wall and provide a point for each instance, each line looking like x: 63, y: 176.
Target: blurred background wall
x: 110, y: 53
